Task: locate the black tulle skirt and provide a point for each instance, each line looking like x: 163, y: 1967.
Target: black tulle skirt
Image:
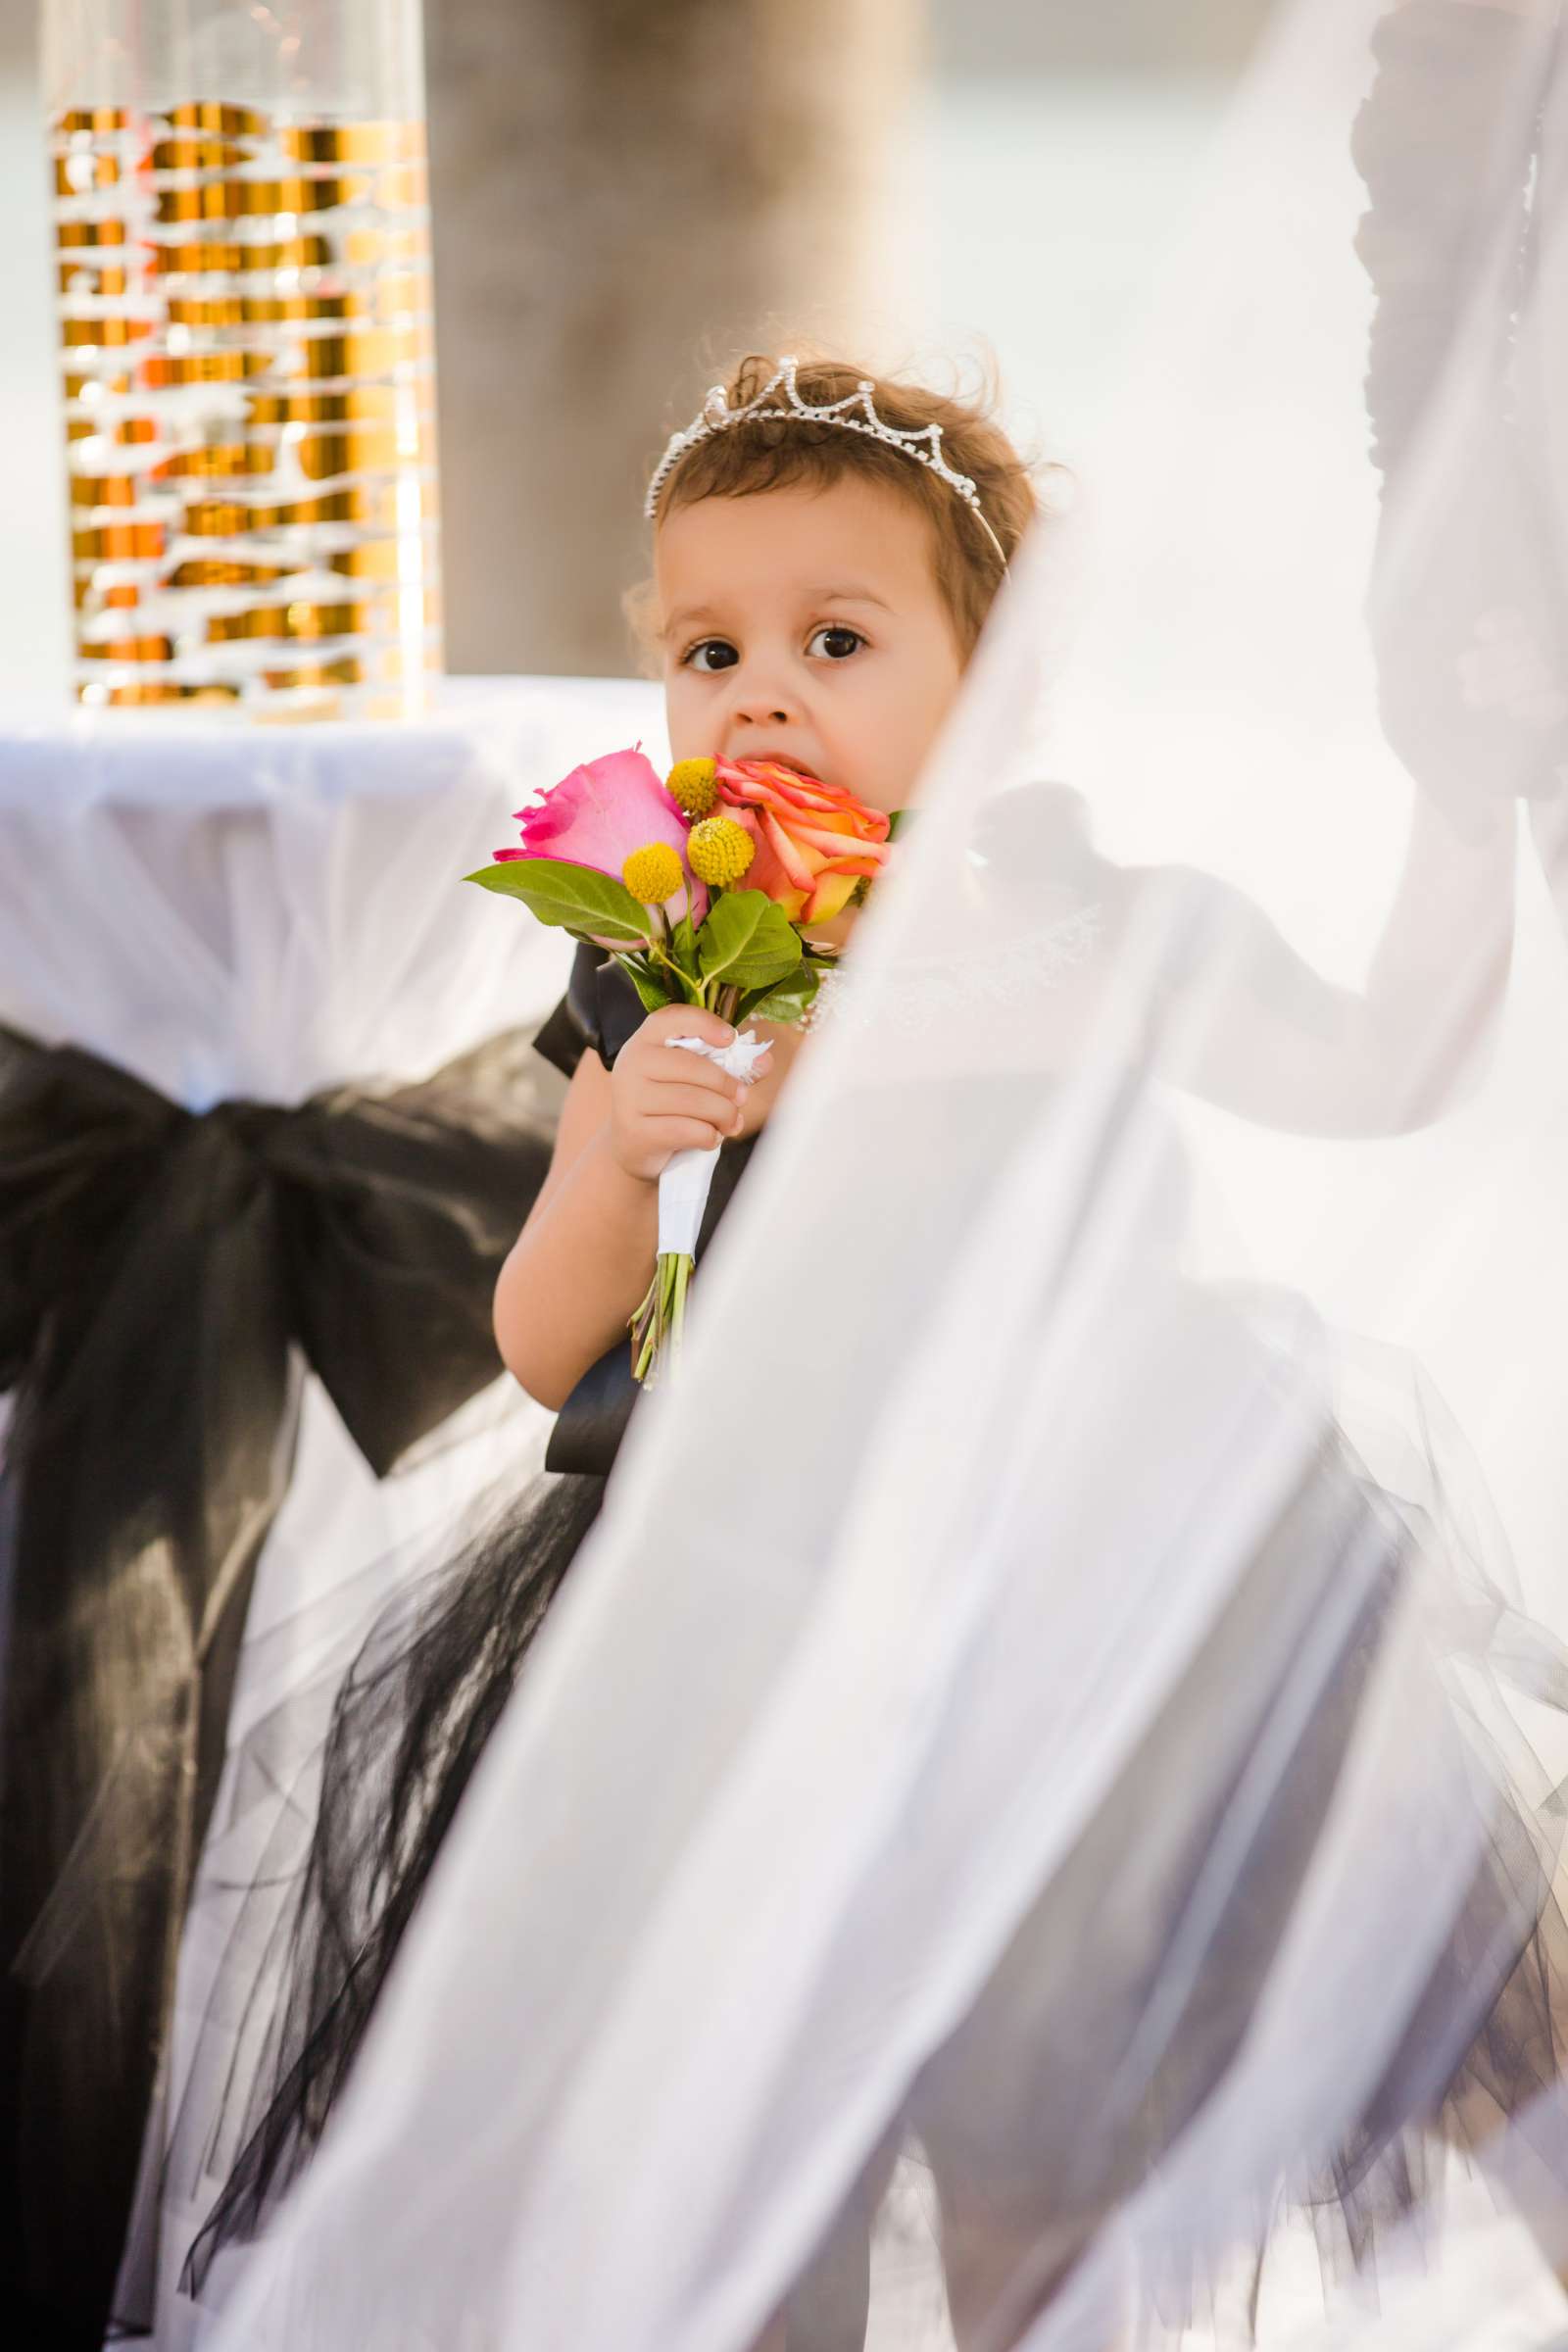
x: 406, y: 1729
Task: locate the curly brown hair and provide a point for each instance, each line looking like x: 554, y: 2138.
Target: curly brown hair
x: 767, y: 454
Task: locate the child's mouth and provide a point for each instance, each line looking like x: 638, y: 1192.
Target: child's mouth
x: 797, y: 767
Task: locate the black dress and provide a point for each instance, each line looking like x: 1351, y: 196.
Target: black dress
x: 413, y: 1715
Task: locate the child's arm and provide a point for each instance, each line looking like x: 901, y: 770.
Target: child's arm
x: 585, y: 1256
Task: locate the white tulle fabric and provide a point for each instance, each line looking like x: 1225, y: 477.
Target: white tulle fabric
x: 1186, y: 1151
x: 265, y: 911
x: 233, y: 911
x: 245, y: 912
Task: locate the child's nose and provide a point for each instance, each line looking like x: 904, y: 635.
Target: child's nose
x: 765, y: 703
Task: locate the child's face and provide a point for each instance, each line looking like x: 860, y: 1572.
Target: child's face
x: 807, y: 627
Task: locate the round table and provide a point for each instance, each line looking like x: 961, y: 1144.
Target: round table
x: 240, y: 913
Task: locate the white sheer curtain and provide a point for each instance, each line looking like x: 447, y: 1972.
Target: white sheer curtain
x: 1050, y: 1690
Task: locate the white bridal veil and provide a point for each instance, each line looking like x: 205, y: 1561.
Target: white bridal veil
x: 1049, y: 1760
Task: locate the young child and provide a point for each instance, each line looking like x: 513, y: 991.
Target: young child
x: 826, y: 548
x: 818, y: 592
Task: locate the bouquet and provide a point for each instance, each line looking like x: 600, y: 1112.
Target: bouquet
x: 703, y: 887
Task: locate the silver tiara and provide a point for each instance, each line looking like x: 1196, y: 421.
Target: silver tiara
x: 781, y: 396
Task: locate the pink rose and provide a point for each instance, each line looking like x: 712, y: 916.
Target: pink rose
x: 600, y: 813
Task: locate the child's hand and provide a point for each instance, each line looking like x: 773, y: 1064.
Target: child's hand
x: 662, y: 1102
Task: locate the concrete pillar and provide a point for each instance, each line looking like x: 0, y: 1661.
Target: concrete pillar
x: 623, y: 191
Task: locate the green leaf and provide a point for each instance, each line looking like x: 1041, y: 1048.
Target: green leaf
x: 788, y: 1000
x: 652, y: 993
x: 683, y: 947
x: 573, y: 897
x: 746, y: 941
x: 898, y: 822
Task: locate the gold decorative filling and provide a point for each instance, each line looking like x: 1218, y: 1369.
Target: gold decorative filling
x: 121, y: 598
x: 79, y: 387
x: 368, y: 450
x: 81, y: 170
x: 245, y: 310
x: 204, y: 572
x: 111, y: 490
x: 372, y: 351
x: 196, y: 155
x: 218, y: 461
x: 378, y: 248
x: 207, y: 309
x: 106, y: 279
x: 142, y: 697
x: 402, y: 292
x: 225, y: 518
x: 72, y: 233
x: 354, y: 404
x: 105, y: 334
x: 337, y: 379
x: 238, y: 199
x: 127, y: 649
x: 300, y: 620
x: 375, y: 560
x: 349, y: 669
x: 409, y: 184
x: 219, y: 518
x: 101, y: 120
x: 195, y: 256
x: 158, y: 369
x: 118, y: 542
x: 351, y: 142
x: 219, y: 202
x: 400, y: 186
x: 226, y: 121
x: 191, y: 257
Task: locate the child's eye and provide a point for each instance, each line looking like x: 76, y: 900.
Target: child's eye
x: 834, y: 642
x: 714, y: 653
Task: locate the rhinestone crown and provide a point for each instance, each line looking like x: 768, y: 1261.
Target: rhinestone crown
x: 856, y: 412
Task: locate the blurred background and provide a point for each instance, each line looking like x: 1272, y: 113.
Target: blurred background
x: 623, y: 195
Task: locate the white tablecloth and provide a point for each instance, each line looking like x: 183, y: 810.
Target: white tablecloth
x: 261, y: 912
x: 264, y: 911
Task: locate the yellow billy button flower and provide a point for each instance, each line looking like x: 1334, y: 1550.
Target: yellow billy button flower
x: 719, y: 851
x: 652, y: 874
x: 693, y: 786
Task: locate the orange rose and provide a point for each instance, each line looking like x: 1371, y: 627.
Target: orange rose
x: 816, y: 843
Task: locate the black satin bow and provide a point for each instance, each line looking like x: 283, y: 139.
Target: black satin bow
x: 165, y: 1279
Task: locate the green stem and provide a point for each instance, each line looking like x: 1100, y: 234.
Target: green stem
x: 656, y: 954
x: 678, y: 1318
x: 657, y: 1326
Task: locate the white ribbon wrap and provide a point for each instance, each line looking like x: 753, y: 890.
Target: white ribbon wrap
x: 683, y: 1188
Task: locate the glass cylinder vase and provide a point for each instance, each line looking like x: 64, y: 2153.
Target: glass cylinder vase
x: 242, y: 227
